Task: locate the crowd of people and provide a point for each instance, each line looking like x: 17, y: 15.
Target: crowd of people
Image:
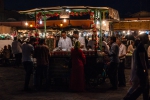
x: 24, y: 53
x: 117, y: 51
x: 114, y: 49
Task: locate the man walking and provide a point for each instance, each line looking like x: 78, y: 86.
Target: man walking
x: 141, y: 70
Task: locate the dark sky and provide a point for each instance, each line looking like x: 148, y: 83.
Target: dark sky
x: 123, y: 6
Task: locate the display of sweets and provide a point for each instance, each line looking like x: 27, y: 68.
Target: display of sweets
x: 60, y: 53
x: 68, y: 53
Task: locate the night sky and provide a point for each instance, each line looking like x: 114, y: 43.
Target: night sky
x: 123, y: 6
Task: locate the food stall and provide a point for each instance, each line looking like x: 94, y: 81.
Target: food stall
x: 96, y: 19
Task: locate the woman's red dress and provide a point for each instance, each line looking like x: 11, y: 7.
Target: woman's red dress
x: 77, y: 81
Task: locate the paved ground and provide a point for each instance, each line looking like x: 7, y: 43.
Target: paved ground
x: 11, y: 85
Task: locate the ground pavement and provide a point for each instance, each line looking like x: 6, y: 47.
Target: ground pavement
x: 12, y: 80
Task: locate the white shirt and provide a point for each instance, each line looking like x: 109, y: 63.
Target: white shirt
x: 106, y: 46
x: 130, y: 48
x: 92, y: 44
x: 122, y: 50
x: 16, y: 47
x: 27, y: 49
x: 65, y: 43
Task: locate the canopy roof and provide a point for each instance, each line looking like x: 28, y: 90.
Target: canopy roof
x: 112, y: 12
x: 59, y: 8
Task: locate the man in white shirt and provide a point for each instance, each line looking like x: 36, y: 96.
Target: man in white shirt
x: 17, y: 51
x: 80, y: 39
x: 64, y: 42
x: 122, y: 55
x: 27, y: 50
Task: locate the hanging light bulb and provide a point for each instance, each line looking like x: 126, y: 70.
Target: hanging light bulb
x: 61, y: 25
x: 31, y: 25
x: 128, y: 32
x: 97, y: 22
x: 26, y: 23
x: 65, y: 20
x: 41, y: 21
x: 103, y: 22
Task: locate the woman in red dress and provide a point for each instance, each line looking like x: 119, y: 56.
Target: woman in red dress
x: 77, y: 81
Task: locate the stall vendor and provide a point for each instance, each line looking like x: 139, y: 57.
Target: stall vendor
x: 64, y: 43
x: 80, y: 39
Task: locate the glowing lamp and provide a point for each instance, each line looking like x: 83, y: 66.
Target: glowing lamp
x: 61, y: 25
x: 65, y: 20
x: 31, y: 25
x: 26, y: 23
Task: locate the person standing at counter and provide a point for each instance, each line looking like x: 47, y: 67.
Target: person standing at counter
x: 77, y: 81
x: 64, y: 42
x: 42, y: 55
x: 80, y: 39
x: 91, y: 43
x: 113, y: 64
x: 27, y: 51
x: 104, y: 43
x: 122, y: 54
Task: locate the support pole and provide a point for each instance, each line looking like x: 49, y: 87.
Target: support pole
x: 44, y: 24
x: 35, y: 21
x: 100, y: 30
x: 95, y: 31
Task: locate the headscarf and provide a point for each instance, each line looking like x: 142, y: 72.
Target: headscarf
x: 77, y: 45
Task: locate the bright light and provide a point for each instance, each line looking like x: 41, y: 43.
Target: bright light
x: 41, y: 21
x: 124, y: 31
x: 65, y: 20
x: 97, y: 22
x: 31, y: 25
x: 79, y: 34
x: 128, y: 32
x: 67, y: 10
x: 141, y: 32
x: 103, y: 22
x: 61, y: 25
x: 97, y: 33
x: 26, y: 23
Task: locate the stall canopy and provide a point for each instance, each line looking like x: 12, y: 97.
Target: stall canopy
x: 75, y: 10
x: 71, y: 13
x: 139, y: 25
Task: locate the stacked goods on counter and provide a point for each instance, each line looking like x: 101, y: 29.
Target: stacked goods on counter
x: 60, y: 53
x: 68, y: 53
